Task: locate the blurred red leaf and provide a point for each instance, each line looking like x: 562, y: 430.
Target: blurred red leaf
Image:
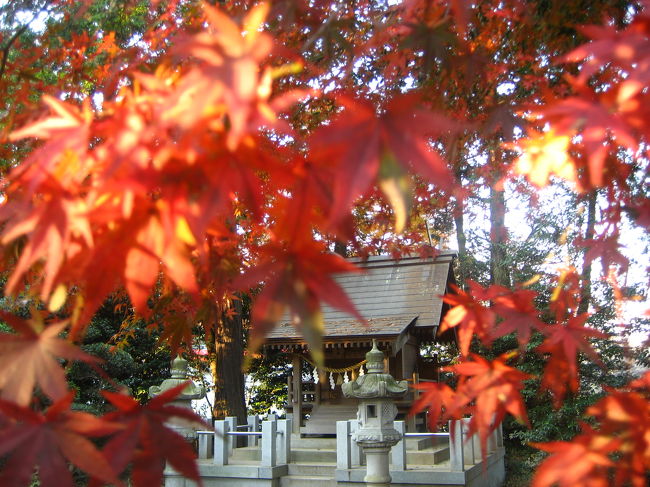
x: 439, y: 400
x: 400, y: 131
x: 494, y: 389
x: 517, y: 308
x: 30, y: 358
x: 45, y: 441
x: 297, y: 280
x: 146, y: 441
x: 469, y: 315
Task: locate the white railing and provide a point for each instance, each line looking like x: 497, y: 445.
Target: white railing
x: 273, y: 437
x: 463, y: 450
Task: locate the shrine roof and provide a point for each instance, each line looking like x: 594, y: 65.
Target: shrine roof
x: 392, y: 295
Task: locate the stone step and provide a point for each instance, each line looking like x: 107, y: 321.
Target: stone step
x: 307, y: 480
x: 432, y: 456
x: 429, y: 456
x: 299, y: 455
x: 307, y: 455
x: 315, y: 443
x: 325, y: 469
x: 322, y: 419
x: 412, y: 444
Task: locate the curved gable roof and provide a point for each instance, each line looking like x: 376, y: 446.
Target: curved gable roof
x: 391, y: 294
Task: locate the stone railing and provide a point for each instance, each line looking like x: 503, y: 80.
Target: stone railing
x: 463, y: 450
x: 273, y: 436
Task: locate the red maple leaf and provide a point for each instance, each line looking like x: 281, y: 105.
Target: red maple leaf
x: 622, y: 433
x: 47, y: 441
x: 297, y: 279
x: 563, y: 343
x: 31, y: 358
x: 519, y: 314
x: 399, y: 133
x: 608, y: 249
x: 230, y: 74
x: 493, y: 388
x: 624, y: 416
x: 439, y: 400
x: 581, y: 462
x: 558, y: 378
x: 53, y: 227
x: 469, y: 315
x: 146, y: 441
x: 67, y: 135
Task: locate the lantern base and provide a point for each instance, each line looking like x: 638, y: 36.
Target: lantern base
x: 377, y: 466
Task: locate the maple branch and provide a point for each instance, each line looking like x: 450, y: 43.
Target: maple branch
x: 5, y: 50
x: 17, y: 34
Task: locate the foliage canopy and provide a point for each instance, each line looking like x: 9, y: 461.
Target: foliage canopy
x: 186, y: 153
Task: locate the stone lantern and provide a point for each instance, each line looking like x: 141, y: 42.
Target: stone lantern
x: 184, y: 399
x: 376, y: 392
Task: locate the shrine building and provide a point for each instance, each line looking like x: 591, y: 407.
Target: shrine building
x: 401, y: 300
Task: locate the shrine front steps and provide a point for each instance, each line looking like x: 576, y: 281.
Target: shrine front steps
x: 322, y: 452
x: 323, y: 418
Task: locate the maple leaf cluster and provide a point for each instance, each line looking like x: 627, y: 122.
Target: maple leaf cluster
x: 617, y: 448
x: 220, y: 160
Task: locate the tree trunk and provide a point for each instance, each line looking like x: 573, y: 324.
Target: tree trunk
x: 585, y: 295
x: 499, y: 271
x: 455, y: 155
x: 461, y: 238
x: 226, y: 367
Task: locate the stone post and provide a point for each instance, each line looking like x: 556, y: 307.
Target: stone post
x: 283, y: 441
x: 456, y: 459
x: 376, y: 434
x: 221, y: 428
x: 232, y: 440
x: 343, y: 457
x: 269, y: 452
x: 399, y: 450
x: 253, y: 422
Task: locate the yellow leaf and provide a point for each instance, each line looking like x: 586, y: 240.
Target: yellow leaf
x: 184, y: 233
x: 254, y: 20
x: 57, y: 298
x: 396, y: 186
x: 312, y: 329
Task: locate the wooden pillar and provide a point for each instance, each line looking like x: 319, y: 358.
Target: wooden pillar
x: 297, y: 394
x: 410, y: 354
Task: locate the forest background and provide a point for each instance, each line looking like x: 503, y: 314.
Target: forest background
x: 170, y: 157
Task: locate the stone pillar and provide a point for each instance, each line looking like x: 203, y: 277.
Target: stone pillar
x: 376, y: 433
